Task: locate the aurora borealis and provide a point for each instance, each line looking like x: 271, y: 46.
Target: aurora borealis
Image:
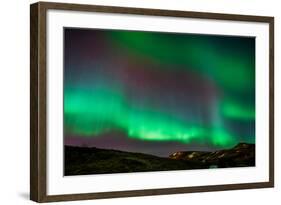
x: 155, y: 92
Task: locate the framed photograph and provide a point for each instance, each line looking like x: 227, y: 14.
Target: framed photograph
x: 134, y: 102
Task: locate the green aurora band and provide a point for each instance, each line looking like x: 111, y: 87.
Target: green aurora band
x: 93, y: 112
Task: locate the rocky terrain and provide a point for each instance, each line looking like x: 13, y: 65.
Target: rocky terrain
x: 241, y: 155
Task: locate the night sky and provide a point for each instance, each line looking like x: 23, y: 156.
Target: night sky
x: 157, y: 93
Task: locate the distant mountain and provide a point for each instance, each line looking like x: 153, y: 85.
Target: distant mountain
x: 241, y: 155
x: 83, y: 160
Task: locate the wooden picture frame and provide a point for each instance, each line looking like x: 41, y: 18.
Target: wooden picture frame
x: 39, y: 103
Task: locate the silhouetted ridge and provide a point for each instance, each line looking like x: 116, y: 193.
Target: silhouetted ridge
x: 85, y: 160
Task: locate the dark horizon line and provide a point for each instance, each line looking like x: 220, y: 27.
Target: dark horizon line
x: 92, y: 147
